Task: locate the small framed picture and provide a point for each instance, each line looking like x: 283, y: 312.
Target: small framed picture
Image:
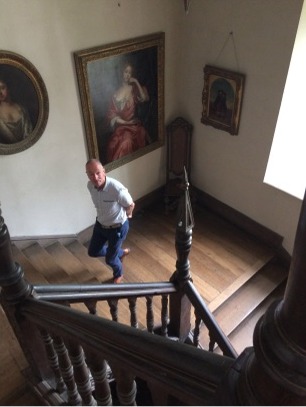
x: 24, y: 104
x: 222, y: 99
x: 121, y: 89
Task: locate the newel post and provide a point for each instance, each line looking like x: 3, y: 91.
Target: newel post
x: 14, y: 292
x: 14, y: 287
x: 273, y: 372
x: 180, y: 306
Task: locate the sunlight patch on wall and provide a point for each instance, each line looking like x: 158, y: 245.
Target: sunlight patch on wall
x: 286, y: 168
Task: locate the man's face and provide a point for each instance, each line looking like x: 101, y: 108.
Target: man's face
x: 96, y: 174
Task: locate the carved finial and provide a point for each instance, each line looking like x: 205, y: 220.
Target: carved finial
x: 185, y: 220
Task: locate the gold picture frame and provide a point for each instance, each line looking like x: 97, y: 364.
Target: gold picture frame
x: 121, y: 88
x: 222, y: 99
x: 25, y: 103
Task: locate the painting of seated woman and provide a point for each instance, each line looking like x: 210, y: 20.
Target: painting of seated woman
x: 122, y: 97
x: 128, y: 131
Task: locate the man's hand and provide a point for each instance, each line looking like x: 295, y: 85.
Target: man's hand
x: 129, y: 210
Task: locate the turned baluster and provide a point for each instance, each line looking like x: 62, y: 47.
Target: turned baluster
x: 113, y: 307
x: 164, y: 315
x: 197, y: 328
x: 98, y: 368
x: 91, y: 306
x: 81, y: 373
x: 150, y: 315
x: 212, y: 341
x: 53, y: 359
x: 132, y: 306
x: 126, y: 387
x: 65, y: 365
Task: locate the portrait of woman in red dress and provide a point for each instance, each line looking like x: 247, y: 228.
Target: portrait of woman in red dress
x: 128, y: 132
x: 122, y: 97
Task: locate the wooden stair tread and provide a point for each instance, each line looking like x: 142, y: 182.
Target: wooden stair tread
x: 32, y: 274
x: 250, y: 294
x: 239, y: 282
x: 69, y: 262
x: 44, y: 262
x: 95, y: 266
x: 242, y: 336
x: 246, y: 299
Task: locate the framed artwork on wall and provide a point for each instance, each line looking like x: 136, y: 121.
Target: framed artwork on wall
x: 222, y: 99
x: 24, y: 104
x: 121, y: 88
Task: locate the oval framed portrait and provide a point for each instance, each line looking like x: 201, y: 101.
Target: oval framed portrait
x: 24, y: 103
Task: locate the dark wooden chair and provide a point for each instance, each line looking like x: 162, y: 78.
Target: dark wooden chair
x: 179, y: 133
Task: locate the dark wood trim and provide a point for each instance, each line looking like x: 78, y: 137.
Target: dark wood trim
x: 155, y: 196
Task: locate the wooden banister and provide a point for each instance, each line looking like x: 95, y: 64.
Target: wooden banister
x: 206, y: 316
x: 193, y: 377
x: 77, y: 293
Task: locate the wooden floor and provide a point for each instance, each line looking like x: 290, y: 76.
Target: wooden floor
x: 222, y: 260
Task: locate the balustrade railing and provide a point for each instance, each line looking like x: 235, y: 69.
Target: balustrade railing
x: 81, y: 347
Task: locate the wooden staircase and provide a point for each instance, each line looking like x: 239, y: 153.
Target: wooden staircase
x: 237, y: 275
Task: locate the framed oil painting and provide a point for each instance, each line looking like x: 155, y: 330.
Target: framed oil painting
x: 24, y: 104
x: 222, y: 99
x: 121, y: 89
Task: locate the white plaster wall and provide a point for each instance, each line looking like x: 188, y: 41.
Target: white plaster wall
x: 232, y: 168
x: 43, y: 189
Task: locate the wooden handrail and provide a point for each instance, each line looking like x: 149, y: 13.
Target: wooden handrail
x: 203, y: 311
x: 189, y: 374
x: 79, y: 293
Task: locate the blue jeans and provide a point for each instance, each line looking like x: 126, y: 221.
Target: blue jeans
x: 111, y: 251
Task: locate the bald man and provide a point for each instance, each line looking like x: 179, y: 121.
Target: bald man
x: 114, y: 206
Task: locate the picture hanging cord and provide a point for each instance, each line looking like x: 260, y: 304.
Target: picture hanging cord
x: 230, y: 36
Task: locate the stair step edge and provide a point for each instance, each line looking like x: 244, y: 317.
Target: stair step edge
x: 269, y: 275
x: 221, y: 299
x: 48, y: 267
x: 70, y: 263
x: 263, y: 306
x: 235, y: 321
